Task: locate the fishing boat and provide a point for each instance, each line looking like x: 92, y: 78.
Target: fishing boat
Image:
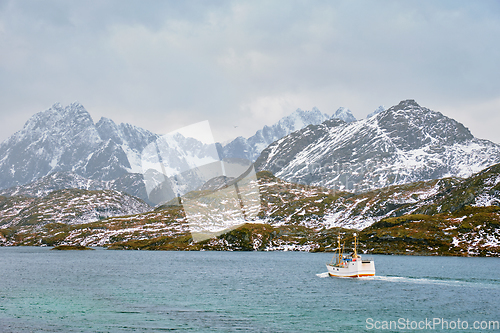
x: 351, y: 265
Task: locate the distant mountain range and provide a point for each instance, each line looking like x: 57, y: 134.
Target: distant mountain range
x: 251, y: 148
x: 63, y: 148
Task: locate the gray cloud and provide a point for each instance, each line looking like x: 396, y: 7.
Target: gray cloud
x: 166, y: 64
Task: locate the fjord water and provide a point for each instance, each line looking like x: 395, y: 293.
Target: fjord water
x: 148, y: 291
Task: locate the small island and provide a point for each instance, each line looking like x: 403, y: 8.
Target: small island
x: 71, y: 247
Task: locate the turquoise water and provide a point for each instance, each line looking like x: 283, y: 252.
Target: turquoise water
x: 147, y: 291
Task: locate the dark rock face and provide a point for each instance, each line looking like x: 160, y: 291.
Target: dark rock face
x: 411, y: 126
x: 107, y: 163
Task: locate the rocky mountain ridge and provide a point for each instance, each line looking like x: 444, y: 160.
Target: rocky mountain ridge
x: 445, y: 216
x: 403, y: 144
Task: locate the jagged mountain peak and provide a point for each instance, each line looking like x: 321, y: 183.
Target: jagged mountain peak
x: 344, y: 114
x: 71, y: 110
x: 410, y: 125
x: 56, y: 106
x: 72, y: 117
x: 106, y: 124
x: 58, y: 127
x: 105, y: 120
x: 301, y: 118
x: 108, y: 129
x: 378, y: 110
x: 301, y: 112
x: 407, y: 103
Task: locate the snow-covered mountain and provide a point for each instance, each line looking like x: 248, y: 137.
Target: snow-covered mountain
x: 66, y: 139
x: 377, y: 111
x: 65, y: 142
x: 403, y: 144
x: 251, y: 148
x: 344, y: 114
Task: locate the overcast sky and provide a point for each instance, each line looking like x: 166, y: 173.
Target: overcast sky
x: 240, y: 65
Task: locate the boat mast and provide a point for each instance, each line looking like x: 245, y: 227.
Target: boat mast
x: 355, y: 247
x: 340, y: 252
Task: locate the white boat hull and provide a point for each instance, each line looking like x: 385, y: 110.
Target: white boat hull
x: 355, y: 268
